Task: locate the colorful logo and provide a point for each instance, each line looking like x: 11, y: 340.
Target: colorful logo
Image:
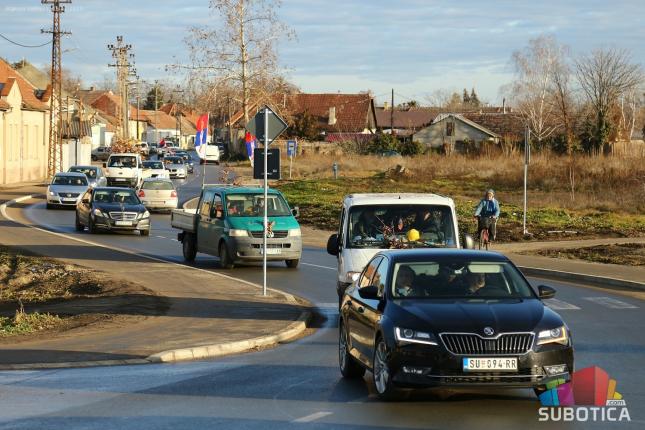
x: 590, y: 386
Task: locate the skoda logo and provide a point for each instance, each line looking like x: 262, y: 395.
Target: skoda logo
x: 488, y: 331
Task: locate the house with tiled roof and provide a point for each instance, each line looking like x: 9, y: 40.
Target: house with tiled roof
x: 455, y: 132
x: 24, y: 128
x: 160, y: 125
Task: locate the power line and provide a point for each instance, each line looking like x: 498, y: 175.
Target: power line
x: 23, y: 45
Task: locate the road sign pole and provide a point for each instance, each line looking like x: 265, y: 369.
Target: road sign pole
x: 527, y: 158
x: 266, y: 203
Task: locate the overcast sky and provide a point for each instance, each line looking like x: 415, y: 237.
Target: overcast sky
x: 413, y: 46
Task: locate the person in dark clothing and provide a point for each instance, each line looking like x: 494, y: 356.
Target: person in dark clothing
x: 487, y: 213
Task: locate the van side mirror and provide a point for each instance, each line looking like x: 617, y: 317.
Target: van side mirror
x: 295, y: 211
x: 469, y: 243
x: 546, y: 292
x: 332, y: 245
x: 369, y: 293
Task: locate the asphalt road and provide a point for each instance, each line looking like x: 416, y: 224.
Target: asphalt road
x: 298, y: 385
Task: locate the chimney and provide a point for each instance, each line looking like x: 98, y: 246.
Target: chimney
x: 504, y: 105
x: 92, y: 88
x: 332, y: 115
x: 386, y: 105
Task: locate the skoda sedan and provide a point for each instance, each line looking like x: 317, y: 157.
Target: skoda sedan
x: 448, y: 317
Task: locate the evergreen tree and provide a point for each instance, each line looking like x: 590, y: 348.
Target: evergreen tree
x: 466, y: 98
x: 474, y: 100
x: 149, y: 103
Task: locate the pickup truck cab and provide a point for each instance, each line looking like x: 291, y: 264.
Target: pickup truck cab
x: 373, y: 222
x: 228, y: 223
x: 124, y: 170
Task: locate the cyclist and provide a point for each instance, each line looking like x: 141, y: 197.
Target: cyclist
x: 487, y: 212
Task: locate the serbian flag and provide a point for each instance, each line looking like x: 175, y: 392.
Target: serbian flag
x: 202, y: 134
x: 251, y: 143
x: 162, y: 143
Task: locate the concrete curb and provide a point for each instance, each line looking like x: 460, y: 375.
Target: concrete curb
x: 597, y: 281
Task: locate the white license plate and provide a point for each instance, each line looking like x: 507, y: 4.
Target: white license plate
x: 122, y: 222
x: 70, y: 200
x: 119, y: 179
x: 271, y: 251
x: 493, y: 364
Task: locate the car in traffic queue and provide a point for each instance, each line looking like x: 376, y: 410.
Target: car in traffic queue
x: 94, y: 174
x: 158, y: 194
x: 175, y: 166
x: 101, y: 153
x: 229, y: 223
x: 65, y: 189
x: 154, y: 169
x: 450, y: 318
x: 112, y: 209
x: 188, y: 160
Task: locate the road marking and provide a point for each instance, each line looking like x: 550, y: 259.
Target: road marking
x: 319, y: 266
x: 162, y: 237
x: 610, y: 303
x: 312, y: 417
x: 327, y: 305
x: 560, y: 305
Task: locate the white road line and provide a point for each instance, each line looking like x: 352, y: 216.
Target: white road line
x: 318, y: 266
x: 162, y: 237
x: 327, y: 305
x: 560, y: 305
x: 610, y: 303
x: 312, y: 417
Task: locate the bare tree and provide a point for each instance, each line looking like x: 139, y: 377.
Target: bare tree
x: 534, y: 67
x: 604, y: 76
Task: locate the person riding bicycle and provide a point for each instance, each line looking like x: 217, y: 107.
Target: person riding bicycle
x: 487, y: 213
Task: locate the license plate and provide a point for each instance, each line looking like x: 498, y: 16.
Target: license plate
x: 271, y: 251
x: 122, y: 222
x: 119, y: 179
x: 70, y: 200
x: 492, y: 364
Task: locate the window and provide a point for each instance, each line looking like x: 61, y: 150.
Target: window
x: 450, y: 128
x: 217, y: 209
x: 368, y: 273
x: 158, y: 185
x: 380, y: 278
x: 252, y: 205
x: 207, y: 200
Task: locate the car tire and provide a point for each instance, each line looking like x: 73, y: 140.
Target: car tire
x: 50, y: 206
x: 292, y: 264
x: 188, y: 247
x: 225, y: 259
x: 145, y: 232
x: 77, y: 224
x: 381, y: 376
x: 94, y: 158
x: 91, y: 228
x: 349, y: 367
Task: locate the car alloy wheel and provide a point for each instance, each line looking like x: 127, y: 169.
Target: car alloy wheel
x: 381, y: 373
x: 349, y: 368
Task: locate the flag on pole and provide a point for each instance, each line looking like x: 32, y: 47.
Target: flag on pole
x: 202, y: 135
x: 251, y: 143
x: 162, y: 143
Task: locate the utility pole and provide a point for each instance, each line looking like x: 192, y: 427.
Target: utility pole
x: 55, y: 150
x: 178, y: 90
x: 230, y: 126
x: 120, y: 52
x: 392, y: 115
x: 156, y: 105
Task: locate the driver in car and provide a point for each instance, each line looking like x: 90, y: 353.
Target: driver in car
x: 405, y: 281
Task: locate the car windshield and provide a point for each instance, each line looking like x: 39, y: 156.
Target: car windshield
x: 127, y: 197
x: 153, y: 164
x: 387, y: 226
x: 462, y: 279
x: 252, y: 205
x: 173, y: 160
x: 122, y: 161
x: 70, y: 180
x: 157, y: 185
x: 90, y: 172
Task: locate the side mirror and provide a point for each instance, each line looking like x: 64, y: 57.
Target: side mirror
x: 104, y: 165
x: 546, y: 292
x: 369, y: 293
x: 469, y: 243
x: 295, y: 211
x: 332, y: 245
x: 85, y: 201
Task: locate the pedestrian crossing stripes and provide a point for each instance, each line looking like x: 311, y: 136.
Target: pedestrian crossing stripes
x: 558, y: 305
x: 610, y: 303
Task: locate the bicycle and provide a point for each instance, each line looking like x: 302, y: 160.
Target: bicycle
x: 484, y: 233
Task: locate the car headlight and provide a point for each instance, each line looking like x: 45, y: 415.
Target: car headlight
x: 352, y: 276
x: 556, y: 335
x: 146, y: 214
x: 295, y: 232
x: 97, y: 212
x: 405, y: 336
x: 235, y: 232
x: 51, y: 193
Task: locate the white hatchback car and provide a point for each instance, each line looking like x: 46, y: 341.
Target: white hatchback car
x: 158, y: 194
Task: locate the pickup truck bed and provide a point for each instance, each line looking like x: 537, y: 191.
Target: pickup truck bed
x: 183, y: 219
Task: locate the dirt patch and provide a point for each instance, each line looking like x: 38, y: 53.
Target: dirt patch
x: 626, y: 254
x: 33, y: 288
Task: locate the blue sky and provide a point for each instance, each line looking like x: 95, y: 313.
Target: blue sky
x: 413, y: 46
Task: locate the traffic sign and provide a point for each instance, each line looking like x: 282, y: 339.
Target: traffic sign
x: 291, y: 148
x: 273, y: 164
x: 276, y: 125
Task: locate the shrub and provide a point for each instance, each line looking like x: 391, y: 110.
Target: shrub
x: 411, y: 148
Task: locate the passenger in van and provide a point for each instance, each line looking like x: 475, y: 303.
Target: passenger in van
x: 367, y: 225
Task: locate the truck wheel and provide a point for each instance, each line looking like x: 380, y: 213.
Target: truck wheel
x: 292, y: 264
x: 225, y: 259
x: 188, y: 248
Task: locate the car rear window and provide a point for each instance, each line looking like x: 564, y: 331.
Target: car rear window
x: 158, y: 185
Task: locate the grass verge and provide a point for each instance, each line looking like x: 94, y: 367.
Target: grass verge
x: 627, y: 254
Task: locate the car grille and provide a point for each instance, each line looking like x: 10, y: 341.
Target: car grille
x: 74, y: 195
x: 278, y: 234
x: 123, y: 216
x: 473, y: 344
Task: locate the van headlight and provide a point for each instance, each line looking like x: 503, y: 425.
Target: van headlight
x: 295, y: 232
x: 406, y: 336
x: 556, y: 335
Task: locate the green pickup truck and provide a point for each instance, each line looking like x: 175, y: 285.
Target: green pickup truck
x: 228, y: 223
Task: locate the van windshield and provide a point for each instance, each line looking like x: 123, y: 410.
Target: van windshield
x: 387, y: 226
x: 252, y: 205
x: 122, y: 161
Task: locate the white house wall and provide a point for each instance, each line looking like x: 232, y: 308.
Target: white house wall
x: 434, y: 135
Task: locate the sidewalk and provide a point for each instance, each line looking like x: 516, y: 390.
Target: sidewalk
x: 209, y: 314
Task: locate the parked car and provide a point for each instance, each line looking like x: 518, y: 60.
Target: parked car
x: 450, y: 317
x: 94, y: 174
x: 154, y: 169
x: 112, y: 208
x: 158, y: 194
x: 101, y: 153
x: 66, y: 189
x: 188, y: 160
x: 175, y: 166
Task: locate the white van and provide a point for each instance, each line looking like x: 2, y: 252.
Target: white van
x: 211, y: 154
x: 373, y: 222
x: 124, y: 170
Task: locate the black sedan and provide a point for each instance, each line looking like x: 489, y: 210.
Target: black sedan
x: 112, y: 208
x: 441, y: 317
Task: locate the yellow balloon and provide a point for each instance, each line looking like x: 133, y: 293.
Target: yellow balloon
x: 413, y: 235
